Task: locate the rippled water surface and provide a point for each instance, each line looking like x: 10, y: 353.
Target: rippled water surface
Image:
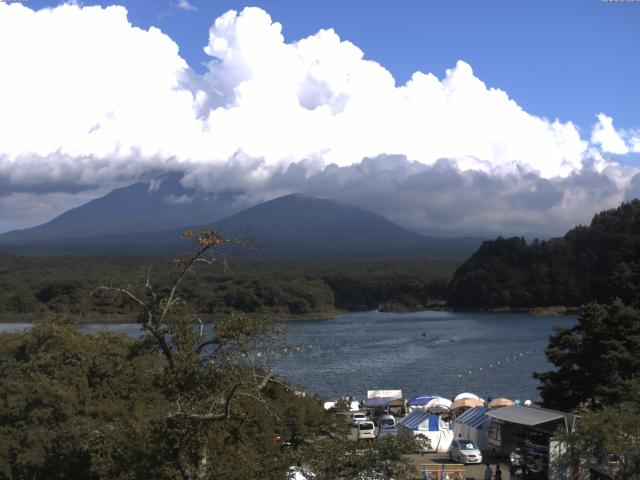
x: 485, y: 353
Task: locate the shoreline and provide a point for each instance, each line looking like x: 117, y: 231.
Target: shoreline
x: 114, y: 319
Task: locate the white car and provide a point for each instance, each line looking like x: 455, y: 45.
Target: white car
x: 366, y: 430
x: 387, y: 421
x: 358, y: 417
x: 464, y: 451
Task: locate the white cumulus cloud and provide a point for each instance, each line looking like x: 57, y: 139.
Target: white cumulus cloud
x: 186, y: 5
x: 607, y: 136
x: 89, y: 100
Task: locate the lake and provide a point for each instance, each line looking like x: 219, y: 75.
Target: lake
x: 490, y: 354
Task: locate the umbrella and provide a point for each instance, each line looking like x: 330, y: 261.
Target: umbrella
x: 467, y: 403
x: 500, y: 402
x: 466, y: 395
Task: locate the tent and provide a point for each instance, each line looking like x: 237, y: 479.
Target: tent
x: 429, y: 402
x: 438, y: 405
x: 380, y: 405
x: 473, y: 425
x: 378, y: 402
x: 431, y: 426
x: 500, y: 402
x: 467, y: 403
x: 466, y: 395
x: 421, y: 400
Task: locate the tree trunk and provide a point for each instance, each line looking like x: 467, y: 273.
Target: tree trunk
x: 203, y: 467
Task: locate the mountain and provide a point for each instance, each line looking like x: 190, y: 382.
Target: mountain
x: 599, y: 262
x: 159, y: 205
x: 297, y: 226
x: 301, y: 227
x: 293, y: 227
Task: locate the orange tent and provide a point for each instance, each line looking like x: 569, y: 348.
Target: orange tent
x: 500, y: 402
x: 467, y: 403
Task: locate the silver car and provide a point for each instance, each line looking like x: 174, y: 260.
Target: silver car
x: 464, y: 451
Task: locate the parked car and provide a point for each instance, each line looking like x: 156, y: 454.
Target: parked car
x: 516, y: 460
x: 464, y: 451
x: 366, y: 430
x: 385, y: 432
x: 387, y: 421
x: 358, y: 417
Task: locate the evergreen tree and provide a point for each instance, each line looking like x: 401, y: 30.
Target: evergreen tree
x: 607, y: 441
x: 597, y: 361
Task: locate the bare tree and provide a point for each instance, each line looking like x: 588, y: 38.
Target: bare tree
x: 212, y: 368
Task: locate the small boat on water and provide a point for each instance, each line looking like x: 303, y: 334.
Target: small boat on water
x: 424, y: 334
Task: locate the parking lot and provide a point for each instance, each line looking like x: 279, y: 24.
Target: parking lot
x: 470, y: 471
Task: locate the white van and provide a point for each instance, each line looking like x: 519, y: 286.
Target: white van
x: 358, y: 417
x: 366, y: 430
x: 387, y: 421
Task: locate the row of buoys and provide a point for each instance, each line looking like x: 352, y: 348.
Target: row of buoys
x: 499, y: 363
x: 285, y: 350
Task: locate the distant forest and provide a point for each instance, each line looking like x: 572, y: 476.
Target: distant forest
x: 599, y: 262
x: 33, y: 286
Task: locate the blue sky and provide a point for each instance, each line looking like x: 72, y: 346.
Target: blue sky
x: 569, y: 59
x: 524, y: 118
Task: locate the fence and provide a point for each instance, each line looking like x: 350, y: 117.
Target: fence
x: 437, y: 471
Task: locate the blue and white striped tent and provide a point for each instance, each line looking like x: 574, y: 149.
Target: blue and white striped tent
x: 422, y: 421
x: 471, y: 426
x: 474, y: 417
x: 431, y: 426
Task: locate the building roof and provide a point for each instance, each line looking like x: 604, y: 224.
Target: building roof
x: 530, y: 416
x: 474, y: 417
x: 379, y: 401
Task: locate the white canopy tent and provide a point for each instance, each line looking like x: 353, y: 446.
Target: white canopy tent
x: 473, y: 425
x: 467, y: 395
x: 432, y: 427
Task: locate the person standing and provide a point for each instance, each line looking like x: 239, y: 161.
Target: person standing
x: 488, y: 473
x: 498, y: 475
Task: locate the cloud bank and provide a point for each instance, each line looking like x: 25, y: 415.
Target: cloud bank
x: 89, y: 100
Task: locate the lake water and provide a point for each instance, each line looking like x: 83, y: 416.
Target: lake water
x: 485, y: 353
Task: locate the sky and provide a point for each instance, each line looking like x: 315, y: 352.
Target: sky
x: 445, y: 116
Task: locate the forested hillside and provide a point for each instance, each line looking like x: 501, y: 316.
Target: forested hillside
x: 598, y: 262
x: 32, y: 286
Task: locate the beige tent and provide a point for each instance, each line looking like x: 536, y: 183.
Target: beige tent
x: 467, y: 403
x: 500, y: 402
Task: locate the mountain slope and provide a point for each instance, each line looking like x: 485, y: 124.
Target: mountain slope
x: 301, y: 227
x: 296, y: 224
x: 293, y: 227
x: 160, y: 205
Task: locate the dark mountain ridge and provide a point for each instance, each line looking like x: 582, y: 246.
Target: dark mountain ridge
x: 161, y: 204
x: 293, y: 227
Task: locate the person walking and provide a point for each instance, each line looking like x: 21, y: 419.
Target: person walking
x: 488, y: 473
x: 498, y: 475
